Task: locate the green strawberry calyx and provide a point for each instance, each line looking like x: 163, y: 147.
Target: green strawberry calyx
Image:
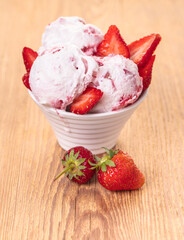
x: 72, y: 166
x: 105, y: 161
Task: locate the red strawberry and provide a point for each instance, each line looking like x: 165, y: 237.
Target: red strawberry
x: 113, y: 43
x: 118, y: 172
x: 146, y: 72
x: 76, y: 165
x: 86, y: 100
x: 29, y: 56
x: 25, y: 80
x: 142, y: 49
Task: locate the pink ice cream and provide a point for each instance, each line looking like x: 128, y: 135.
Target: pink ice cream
x: 71, y: 30
x: 60, y: 75
x: 119, y: 80
x: 66, y: 65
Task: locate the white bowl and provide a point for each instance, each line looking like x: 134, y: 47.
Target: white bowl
x: 92, y: 131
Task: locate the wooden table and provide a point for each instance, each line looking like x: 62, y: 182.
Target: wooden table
x: 32, y: 205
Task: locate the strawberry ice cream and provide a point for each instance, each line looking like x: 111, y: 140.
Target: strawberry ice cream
x: 71, y: 30
x: 118, y: 78
x: 60, y: 75
x: 78, y: 69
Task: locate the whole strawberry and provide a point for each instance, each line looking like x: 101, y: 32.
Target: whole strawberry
x: 76, y: 165
x: 117, y: 171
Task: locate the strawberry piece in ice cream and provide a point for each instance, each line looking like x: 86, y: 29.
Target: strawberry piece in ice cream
x: 71, y: 30
x: 60, y: 75
x: 118, y: 78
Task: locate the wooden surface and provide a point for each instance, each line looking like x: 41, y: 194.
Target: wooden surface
x: 32, y: 206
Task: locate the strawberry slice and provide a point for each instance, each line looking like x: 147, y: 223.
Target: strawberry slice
x: 113, y: 43
x: 25, y: 80
x: 142, y: 49
x: 146, y: 72
x: 86, y: 100
x: 29, y: 56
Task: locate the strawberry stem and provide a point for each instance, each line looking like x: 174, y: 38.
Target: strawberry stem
x: 64, y: 171
x: 105, y: 161
x: 72, y: 166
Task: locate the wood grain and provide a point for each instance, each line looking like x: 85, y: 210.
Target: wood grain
x: 32, y: 205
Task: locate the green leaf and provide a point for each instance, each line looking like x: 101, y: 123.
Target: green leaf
x: 72, y: 154
x: 63, y: 162
x: 80, y: 161
x: 116, y: 151
x: 82, y: 167
x: 103, y: 167
x: 107, y: 150
x: 97, y: 158
x: 92, y: 164
x: 66, y: 174
x: 80, y: 174
x: 110, y: 163
x: 76, y: 155
x: 70, y: 176
x: 66, y: 157
x: 76, y: 177
x: 111, y: 154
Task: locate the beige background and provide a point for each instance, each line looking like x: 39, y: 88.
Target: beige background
x: 32, y: 206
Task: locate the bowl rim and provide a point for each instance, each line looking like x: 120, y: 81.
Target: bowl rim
x: 89, y: 116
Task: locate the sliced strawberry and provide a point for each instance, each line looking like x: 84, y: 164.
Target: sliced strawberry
x: 86, y: 100
x: 29, y: 56
x: 146, y: 72
x: 25, y: 80
x: 113, y: 43
x: 142, y: 49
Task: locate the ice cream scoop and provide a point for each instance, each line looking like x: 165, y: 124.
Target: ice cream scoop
x: 118, y: 78
x: 61, y: 74
x: 71, y: 30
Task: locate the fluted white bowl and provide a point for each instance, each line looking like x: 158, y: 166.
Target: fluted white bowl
x: 92, y: 131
